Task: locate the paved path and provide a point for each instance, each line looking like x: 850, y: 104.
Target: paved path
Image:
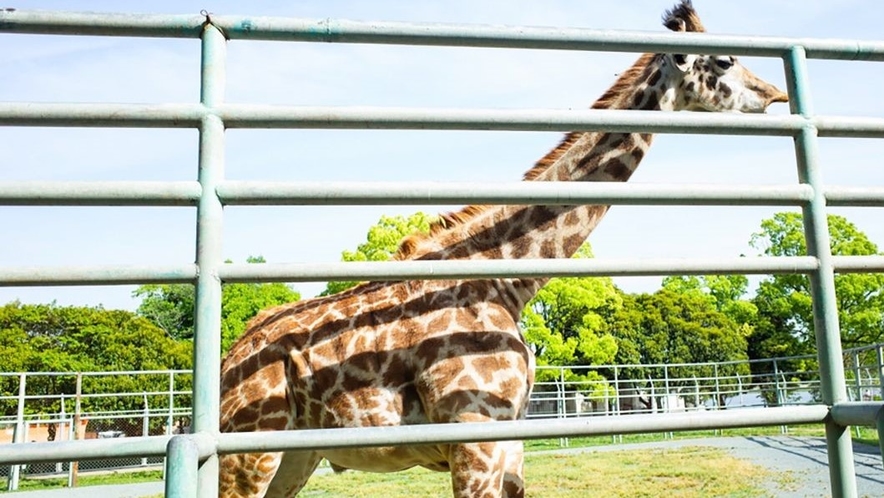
x: 801, y: 460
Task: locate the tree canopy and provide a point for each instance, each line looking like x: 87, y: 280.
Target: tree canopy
x: 171, y: 306
x: 381, y: 243
x: 784, y: 301
x: 50, y: 338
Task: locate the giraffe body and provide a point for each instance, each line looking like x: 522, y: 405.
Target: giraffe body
x: 406, y: 353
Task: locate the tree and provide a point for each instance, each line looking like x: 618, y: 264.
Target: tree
x: 566, y: 323
x: 784, y: 323
x: 725, y: 292
x: 381, y: 243
x: 784, y: 301
x: 171, y: 306
x: 670, y: 327
x: 50, y: 338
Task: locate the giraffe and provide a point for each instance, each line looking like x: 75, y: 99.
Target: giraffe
x: 418, y: 352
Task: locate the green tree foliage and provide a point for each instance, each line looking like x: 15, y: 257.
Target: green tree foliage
x: 50, y: 338
x: 785, y: 319
x: 567, y: 322
x: 171, y: 306
x: 669, y: 327
x: 381, y: 243
x: 725, y: 292
x: 784, y: 322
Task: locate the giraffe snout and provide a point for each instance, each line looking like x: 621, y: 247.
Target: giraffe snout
x: 778, y: 97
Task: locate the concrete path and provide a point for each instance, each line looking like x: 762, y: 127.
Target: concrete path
x: 800, y: 461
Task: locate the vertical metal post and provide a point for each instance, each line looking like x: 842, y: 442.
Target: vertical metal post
x: 182, y: 462
x: 60, y: 434
x: 78, y: 399
x: 879, y: 353
x: 822, y: 281
x: 857, y: 378
x: 145, y: 426
x: 18, y: 434
x: 207, y: 334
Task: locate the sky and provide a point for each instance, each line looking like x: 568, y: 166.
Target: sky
x: 132, y: 70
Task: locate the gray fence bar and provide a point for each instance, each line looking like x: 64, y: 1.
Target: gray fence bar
x: 211, y: 117
x: 389, y: 118
x: 379, y: 193
x: 207, y: 338
x: 345, y: 31
x: 182, y: 467
x: 822, y: 281
x: 119, y: 193
x: 423, y: 434
x: 22, y: 276
x: 257, y: 193
x: 428, y: 270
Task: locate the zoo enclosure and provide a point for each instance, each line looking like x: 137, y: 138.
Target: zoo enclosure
x: 193, y: 459
x: 49, y: 405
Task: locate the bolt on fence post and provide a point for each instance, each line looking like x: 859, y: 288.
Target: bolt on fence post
x: 182, y: 462
x: 207, y: 333
x: 822, y: 280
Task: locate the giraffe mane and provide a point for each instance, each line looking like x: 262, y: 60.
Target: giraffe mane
x: 409, y: 246
x: 683, y: 12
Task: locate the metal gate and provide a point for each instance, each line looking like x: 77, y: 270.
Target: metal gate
x: 193, y: 459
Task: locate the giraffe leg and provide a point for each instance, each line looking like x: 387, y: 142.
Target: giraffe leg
x: 513, y: 477
x: 293, y: 472
x: 247, y: 475
x: 477, y: 470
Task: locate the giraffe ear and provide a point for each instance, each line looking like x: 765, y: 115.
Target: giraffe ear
x: 681, y: 62
x: 683, y: 18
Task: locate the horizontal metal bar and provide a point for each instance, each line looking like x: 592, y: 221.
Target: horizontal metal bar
x: 854, y: 196
x: 427, y: 270
x: 396, y: 118
x: 416, y: 434
x: 859, y: 264
x: 126, y: 193
x: 528, y: 268
x: 83, y: 449
x: 531, y: 429
x: 119, y: 193
x: 100, y: 24
x: 101, y: 115
x: 464, y: 35
x: 857, y: 413
x: 565, y: 193
x: 324, y: 117
x: 24, y: 276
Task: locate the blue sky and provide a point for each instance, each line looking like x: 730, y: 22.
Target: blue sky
x: 90, y: 69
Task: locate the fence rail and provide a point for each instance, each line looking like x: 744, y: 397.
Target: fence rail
x: 212, y: 116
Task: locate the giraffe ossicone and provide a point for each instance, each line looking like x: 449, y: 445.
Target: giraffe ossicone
x: 419, y: 352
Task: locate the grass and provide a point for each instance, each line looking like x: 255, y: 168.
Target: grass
x: 124, y: 477
x: 681, y: 473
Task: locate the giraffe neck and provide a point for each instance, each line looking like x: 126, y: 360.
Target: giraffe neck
x: 521, y: 232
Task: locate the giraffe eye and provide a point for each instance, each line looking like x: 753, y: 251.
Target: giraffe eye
x: 724, y: 63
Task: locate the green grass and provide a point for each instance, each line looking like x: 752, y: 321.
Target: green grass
x: 125, y: 477
x: 682, y: 473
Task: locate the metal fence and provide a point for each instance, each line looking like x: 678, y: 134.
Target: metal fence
x: 49, y: 406
x: 193, y: 469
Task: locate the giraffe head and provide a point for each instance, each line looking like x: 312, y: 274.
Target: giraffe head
x: 712, y: 82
